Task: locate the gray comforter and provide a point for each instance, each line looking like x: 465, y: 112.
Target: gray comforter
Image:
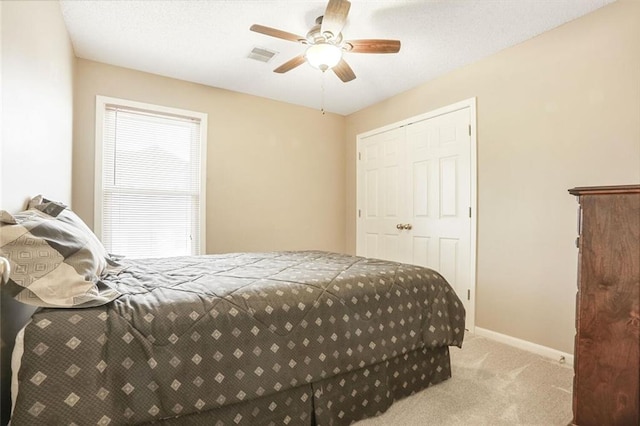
x: 192, y: 334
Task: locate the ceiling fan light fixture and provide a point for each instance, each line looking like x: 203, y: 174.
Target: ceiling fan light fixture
x: 325, y: 44
x: 323, y: 56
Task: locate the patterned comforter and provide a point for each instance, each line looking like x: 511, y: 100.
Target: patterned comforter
x: 192, y: 334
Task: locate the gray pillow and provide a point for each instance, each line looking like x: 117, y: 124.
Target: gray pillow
x: 56, y: 261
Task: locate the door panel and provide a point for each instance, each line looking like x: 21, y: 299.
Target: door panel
x: 420, y: 255
x: 421, y: 188
x: 391, y: 184
x: 392, y: 249
x: 385, y: 201
x: 371, y: 245
x: 448, y: 262
x: 448, y: 187
x: 443, y: 142
x: 371, y: 191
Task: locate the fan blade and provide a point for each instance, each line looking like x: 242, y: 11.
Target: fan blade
x: 273, y: 32
x: 290, y: 64
x: 373, y: 46
x: 335, y: 17
x: 344, y: 71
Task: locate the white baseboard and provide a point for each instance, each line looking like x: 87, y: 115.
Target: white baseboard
x: 525, y: 345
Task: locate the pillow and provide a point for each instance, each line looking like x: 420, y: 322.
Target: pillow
x: 62, y: 213
x: 56, y: 261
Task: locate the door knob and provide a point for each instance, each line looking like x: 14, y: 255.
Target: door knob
x: 407, y: 226
x: 400, y: 226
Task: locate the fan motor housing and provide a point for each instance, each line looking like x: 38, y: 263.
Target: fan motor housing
x: 315, y: 35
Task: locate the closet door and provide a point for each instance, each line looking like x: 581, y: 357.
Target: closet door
x: 414, y: 197
x: 384, y: 196
x: 438, y: 163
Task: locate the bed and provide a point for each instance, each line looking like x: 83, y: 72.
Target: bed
x: 303, y: 337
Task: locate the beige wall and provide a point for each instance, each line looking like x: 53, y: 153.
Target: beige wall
x: 558, y: 111
x: 37, y: 103
x: 275, y: 172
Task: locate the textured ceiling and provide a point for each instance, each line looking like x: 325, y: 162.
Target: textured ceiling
x: 208, y: 42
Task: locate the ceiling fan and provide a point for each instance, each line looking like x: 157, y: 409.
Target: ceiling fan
x: 326, y: 44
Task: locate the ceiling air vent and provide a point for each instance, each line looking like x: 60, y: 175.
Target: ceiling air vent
x: 261, y: 54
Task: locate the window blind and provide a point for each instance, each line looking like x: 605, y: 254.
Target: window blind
x: 151, y: 183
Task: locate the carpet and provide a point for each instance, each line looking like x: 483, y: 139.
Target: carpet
x: 491, y: 384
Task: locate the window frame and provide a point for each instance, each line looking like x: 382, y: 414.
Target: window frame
x: 101, y: 104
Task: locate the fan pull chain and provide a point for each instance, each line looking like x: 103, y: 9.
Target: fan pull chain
x: 322, y: 93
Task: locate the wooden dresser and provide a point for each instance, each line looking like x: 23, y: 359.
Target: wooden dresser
x: 607, y: 344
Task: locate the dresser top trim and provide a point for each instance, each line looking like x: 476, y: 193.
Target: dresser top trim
x: 612, y: 189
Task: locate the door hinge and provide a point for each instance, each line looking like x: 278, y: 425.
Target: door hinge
x: 359, y: 156
x: 469, y: 129
x: 469, y: 211
x: 468, y: 294
x: 359, y: 213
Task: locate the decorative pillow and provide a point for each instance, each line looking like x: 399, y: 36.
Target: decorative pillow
x: 56, y: 261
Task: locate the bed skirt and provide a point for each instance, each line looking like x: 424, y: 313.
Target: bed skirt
x: 338, y: 400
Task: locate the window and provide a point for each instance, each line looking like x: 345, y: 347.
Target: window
x: 150, y: 163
